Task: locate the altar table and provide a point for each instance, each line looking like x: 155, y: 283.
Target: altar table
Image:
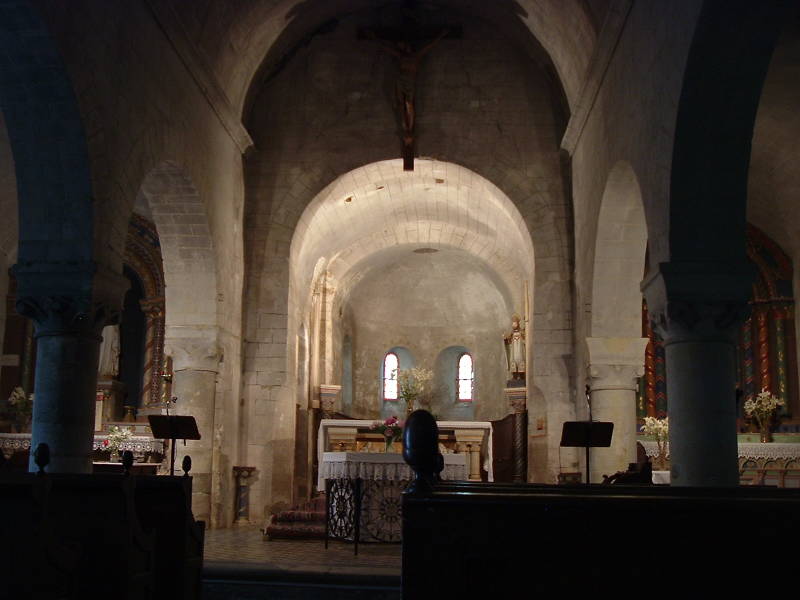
x: 476, y: 436
x: 362, y: 491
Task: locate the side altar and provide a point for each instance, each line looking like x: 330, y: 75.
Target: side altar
x: 471, y: 438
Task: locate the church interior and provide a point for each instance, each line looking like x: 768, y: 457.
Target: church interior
x: 293, y: 223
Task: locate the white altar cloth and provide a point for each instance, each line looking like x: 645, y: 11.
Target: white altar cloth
x: 752, y: 450
x: 382, y: 466
x: 325, y: 424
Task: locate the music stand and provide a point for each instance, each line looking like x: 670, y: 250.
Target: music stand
x: 586, y: 434
x: 173, y: 427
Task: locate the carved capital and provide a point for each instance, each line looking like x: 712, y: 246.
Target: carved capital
x: 328, y: 397
x: 614, y: 377
x: 698, y: 301
x: 76, y: 298
x: 153, y: 308
x: 517, y: 399
x: 64, y: 315
x: 615, y: 363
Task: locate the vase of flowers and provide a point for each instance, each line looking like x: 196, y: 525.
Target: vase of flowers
x: 659, y: 429
x: 391, y: 428
x: 116, y: 437
x: 413, y: 384
x: 763, y: 408
x: 20, y: 408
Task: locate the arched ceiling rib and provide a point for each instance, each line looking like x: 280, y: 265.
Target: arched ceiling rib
x: 237, y: 36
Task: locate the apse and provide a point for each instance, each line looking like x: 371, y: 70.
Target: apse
x: 390, y: 261
x: 428, y: 302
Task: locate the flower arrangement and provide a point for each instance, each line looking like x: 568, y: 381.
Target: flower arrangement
x: 391, y: 428
x: 115, y: 438
x: 413, y: 383
x: 659, y: 429
x: 20, y: 406
x: 762, y: 407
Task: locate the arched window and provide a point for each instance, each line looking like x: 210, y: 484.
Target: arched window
x: 466, y: 377
x: 390, y: 366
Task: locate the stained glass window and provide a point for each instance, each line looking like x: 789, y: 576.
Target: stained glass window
x: 390, y: 366
x: 465, y: 378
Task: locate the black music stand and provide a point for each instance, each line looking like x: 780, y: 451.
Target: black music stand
x: 586, y: 434
x: 173, y: 427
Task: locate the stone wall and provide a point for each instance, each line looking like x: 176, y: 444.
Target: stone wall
x: 329, y: 111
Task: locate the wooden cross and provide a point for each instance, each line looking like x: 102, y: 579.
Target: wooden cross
x: 409, y: 44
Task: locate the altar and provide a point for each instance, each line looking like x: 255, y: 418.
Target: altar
x: 473, y: 439
x: 363, y: 492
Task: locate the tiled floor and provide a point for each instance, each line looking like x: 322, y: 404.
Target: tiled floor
x: 245, y: 546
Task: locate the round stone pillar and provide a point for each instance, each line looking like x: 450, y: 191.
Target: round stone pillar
x: 69, y: 306
x: 615, y: 364
x: 697, y: 309
x: 195, y: 362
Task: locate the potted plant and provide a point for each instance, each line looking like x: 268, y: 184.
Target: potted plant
x: 412, y: 384
x: 116, y: 437
x: 391, y: 428
x: 763, y: 407
x: 20, y: 408
x: 659, y: 429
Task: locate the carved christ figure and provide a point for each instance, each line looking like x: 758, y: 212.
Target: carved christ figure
x: 515, y: 349
x: 408, y: 61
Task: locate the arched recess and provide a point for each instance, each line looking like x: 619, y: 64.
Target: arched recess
x: 616, y: 348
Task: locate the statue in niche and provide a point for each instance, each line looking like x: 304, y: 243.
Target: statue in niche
x: 108, y: 367
x: 515, y: 350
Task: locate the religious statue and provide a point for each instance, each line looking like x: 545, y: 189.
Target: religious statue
x: 108, y: 366
x: 515, y: 349
x: 408, y: 61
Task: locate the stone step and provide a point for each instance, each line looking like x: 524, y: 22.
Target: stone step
x: 306, y: 521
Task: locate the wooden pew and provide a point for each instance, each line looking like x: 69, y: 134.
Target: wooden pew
x: 163, y: 505
x: 477, y: 540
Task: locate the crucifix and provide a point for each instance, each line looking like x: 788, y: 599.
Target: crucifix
x: 408, y: 45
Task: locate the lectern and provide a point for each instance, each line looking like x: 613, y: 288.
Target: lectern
x: 173, y: 427
x: 586, y: 434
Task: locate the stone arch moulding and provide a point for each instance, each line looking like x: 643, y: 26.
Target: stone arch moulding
x: 143, y: 256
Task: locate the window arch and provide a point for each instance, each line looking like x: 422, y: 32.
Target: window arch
x: 391, y: 365
x: 465, y: 378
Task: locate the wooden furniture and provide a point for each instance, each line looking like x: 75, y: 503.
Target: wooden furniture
x: 469, y: 437
x: 363, y: 489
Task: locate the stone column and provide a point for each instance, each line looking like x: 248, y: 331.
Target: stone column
x: 517, y: 399
x: 68, y: 313
x: 242, y: 476
x: 697, y: 308
x: 195, y: 355
x: 615, y: 364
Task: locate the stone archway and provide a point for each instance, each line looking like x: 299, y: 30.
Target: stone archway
x: 615, y: 349
x: 191, y: 333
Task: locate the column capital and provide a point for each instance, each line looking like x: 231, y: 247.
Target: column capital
x: 698, y: 300
x: 615, y: 362
x: 517, y: 399
x: 76, y: 298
